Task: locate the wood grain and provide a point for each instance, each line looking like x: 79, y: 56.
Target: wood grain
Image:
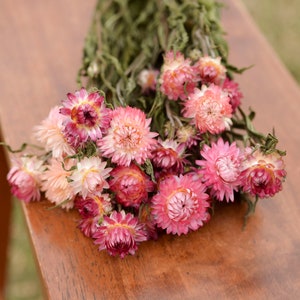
x: 40, y: 54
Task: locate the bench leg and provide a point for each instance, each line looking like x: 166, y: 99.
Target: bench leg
x: 5, y: 217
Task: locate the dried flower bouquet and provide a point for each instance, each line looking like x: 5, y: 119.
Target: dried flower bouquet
x: 157, y: 135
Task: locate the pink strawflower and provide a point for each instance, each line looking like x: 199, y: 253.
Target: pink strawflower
x: 90, y: 176
x: 89, y: 226
x: 50, y: 134
x: 232, y: 89
x: 263, y: 174
x: 130, y: 185
x: 24, y: 178
x: 188, y: 136
x: 87, y: 116
x: 169, y: 154
x: 147, y: 80
x: 146, y: 218
x: 210, y: 70
x: 94, y: 205
x: 92, y: 209
x: 178, y: 77
x: 209, y: 109
x: 129, y: 137
x: 221, y: 169
x: 56, y: 185
x: 180, y: 205
x: 120, y: 234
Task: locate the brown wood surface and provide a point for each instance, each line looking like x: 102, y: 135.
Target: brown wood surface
x: 40, y: 53
x: 5, y: 217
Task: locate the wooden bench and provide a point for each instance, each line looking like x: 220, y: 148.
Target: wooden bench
x: 40, y: 53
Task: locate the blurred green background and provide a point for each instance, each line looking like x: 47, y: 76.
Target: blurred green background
x: 278, y: 20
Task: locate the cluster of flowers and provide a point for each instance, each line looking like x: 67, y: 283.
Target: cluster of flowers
x: 127, y: 181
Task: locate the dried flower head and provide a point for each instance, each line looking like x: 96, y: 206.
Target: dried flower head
x: 130, y: 185
x: 178, y: 77
x: 221, y: 169
x: 55, y: 183
x: 180, y: 205
x: 129, y: 137
x: 210, y: 70
x: 169, y: 154
x: 90, y: 176
x: 24, y: 178
x: 263, y: 174
x: 147, y: 80
x: 120, y: 234
x: 50, y: 134
x: 232, y: 89
x: 209, y: 109
x: 87, y: 116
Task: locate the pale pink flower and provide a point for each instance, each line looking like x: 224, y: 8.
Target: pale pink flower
x: 24, y: 178
x: 147, y: 80
x: 87, y: 116
x: 130, y: 185
x: 169, y: 154
x: 56, y: 185
x: 263, y: 174
x: 210, y: 70
x: 180, y: 205
x: 120, y: 234
x: 129, y: 137
x: 178, y: 77
x: 221, y: 169
x: 188, y: 136
x: 90, y: 176
x: 232, y: 89
x: 50, y: 134
x: 209, y: 109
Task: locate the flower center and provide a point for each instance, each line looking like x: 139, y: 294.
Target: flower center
x: 85, y: 114
x: 128, y: 137
x: 181, y: 205
x: 227, y: 169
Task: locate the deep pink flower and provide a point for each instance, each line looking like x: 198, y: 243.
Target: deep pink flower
x: 180, y: 205
x: 209, y: 109
x: 169, y: 154
x: 92, y: 209
x: 210, y: 70
x: 94, y: 205
x: 89, y: 226
x: 129, y: 137
x: 130, y: 185
x: 263, y: 174
x: 120, y: 234
x: 178, y: 78
x: 87, y: 116
x: 232, y: 89
x: 146, y: 218
x: 24, y: 178
x: 221, y: 169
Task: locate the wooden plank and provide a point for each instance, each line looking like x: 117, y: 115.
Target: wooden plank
x: 5, y: 217
x: 42, y: 52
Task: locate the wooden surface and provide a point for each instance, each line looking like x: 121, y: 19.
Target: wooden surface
x: 39, y: 55
x: 5, y: 218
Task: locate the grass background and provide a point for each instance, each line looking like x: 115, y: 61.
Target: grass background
x: 278, y: 20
